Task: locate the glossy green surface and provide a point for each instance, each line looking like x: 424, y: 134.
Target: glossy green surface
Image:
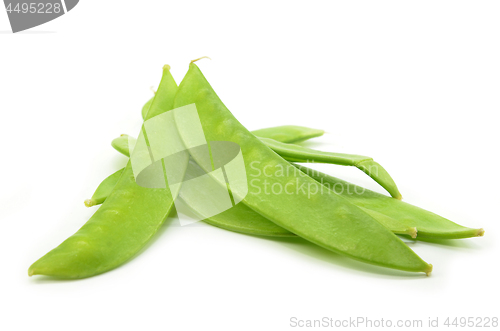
x: 127, y: 220
x: 428, y: 224
x: 121, y: 144
x: 327, y: 220
x: 296, y: 153
x: 288, y: 133
x: 400, y: 217
x: 283, y: 133
x: 104, y: 189
x: 242, y: 219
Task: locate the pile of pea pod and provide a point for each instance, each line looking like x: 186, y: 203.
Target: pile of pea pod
x: 364, y: 226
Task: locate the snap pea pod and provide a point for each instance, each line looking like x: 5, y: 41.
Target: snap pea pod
x: 242, y: 219
x: 127, y: 220
x: 121, y: 144
x: 296, y: 153
x: 400, y: 217
x: 284, y: 134
x: 239, y: 218
x: 428, y: 224
x: 104, y: 189
x: 327, y: 220
x: 288, y: 133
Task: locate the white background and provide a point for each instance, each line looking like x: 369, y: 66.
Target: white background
x: 414, y: 84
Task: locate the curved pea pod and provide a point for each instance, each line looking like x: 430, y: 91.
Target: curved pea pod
x: 428, y: 224
x: 128, y: 219
x: 327, y: 220
x: 406, y: 222
x: 242, y: 219
x: 121, y: 144
x: 283, y: 133
x: 296, y: 153
x: 239, y: 218
x: 288, y: 133
x: 104, y: 189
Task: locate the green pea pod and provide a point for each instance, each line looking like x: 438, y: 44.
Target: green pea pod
x: 288, y: 133
x: 404, y: 219
x: 428, y: 224
x: 242, y: 219
x: 127, y: 220
x: 296, y: 153
x: 121, y: 144
x: 327, y: 220
x: 104, y: 189
x: 284, y: 133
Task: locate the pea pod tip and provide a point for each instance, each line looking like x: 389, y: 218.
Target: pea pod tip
x: 428, y: 271
x: 90, y: 203
x: 413, y: 232
x: 480, y: 232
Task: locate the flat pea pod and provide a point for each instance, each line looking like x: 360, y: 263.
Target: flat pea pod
x: 117, y: 231
x: 121, y: 144
x: 242, y: 219
x: 284, y: 133
x: 104, y: 189
x: 400, y: 217
x: 288, y: 133
x: 327, y: 220
x: 296, y: 153
x: 428, y: 224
